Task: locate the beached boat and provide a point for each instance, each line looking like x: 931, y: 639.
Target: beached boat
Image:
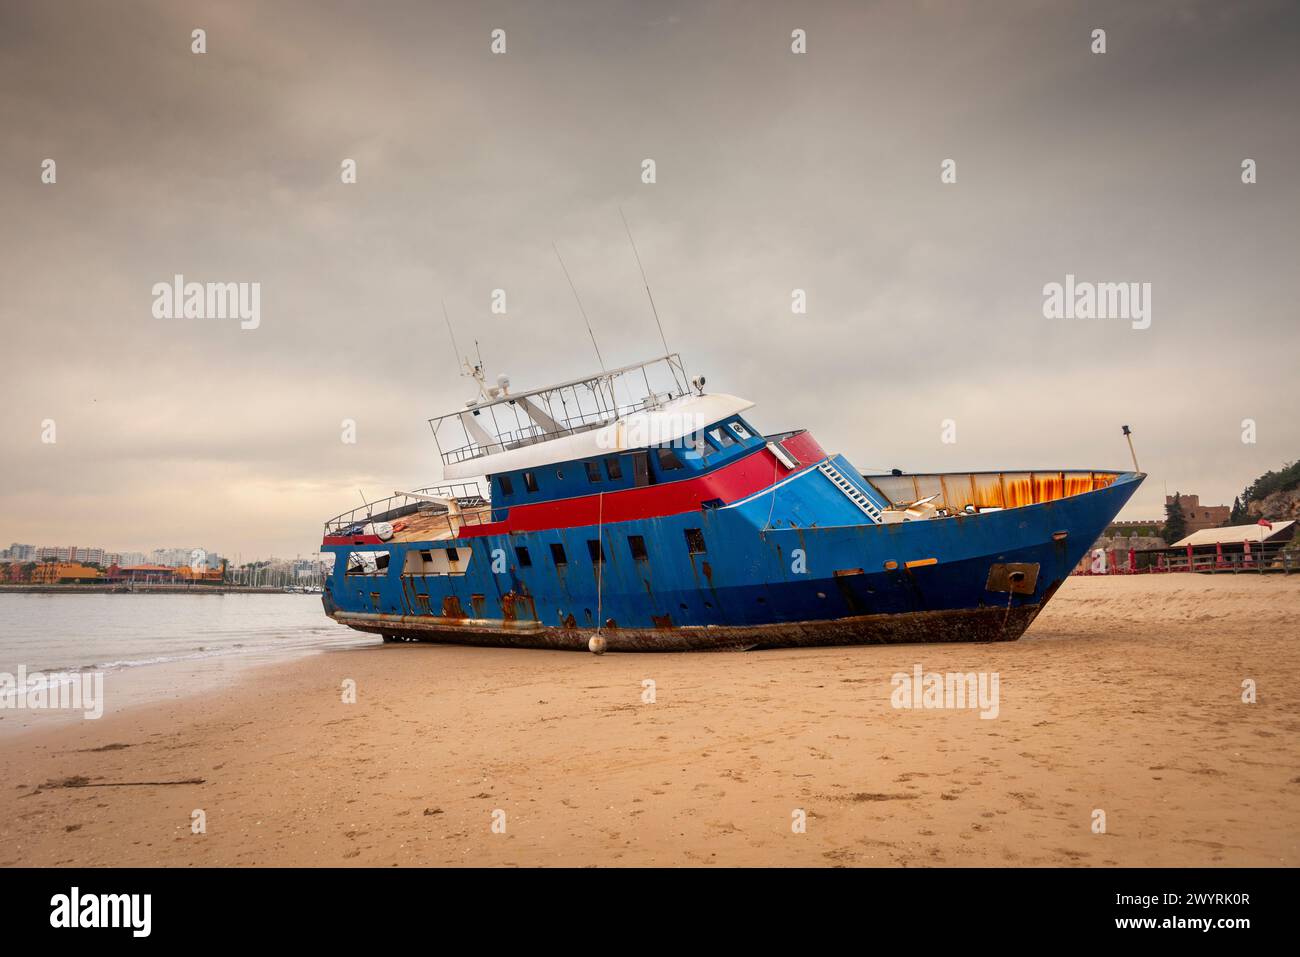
x: 636, y: 505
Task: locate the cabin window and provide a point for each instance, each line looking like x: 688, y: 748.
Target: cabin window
x: 695, y: 541
x: 530, y: 481
x: 595, y: 550
x: 636, y: 544
x: 668, y: 460
x: 721, y: 437
x: 367, y: 563
x: 435, y: 561
x: 557, y: 554
x: 593, y: 472
x: 613, y: 468
x: 740, y: 430
x: 507, y: 487
x: 521, y: 553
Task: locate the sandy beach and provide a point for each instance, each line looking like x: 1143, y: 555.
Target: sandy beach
x: 1125, y: 697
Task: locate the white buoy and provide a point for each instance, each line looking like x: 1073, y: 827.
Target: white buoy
x: 597, y: 644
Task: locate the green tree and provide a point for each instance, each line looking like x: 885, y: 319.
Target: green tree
x: 1238, y: 514
x: 1175, y: 523
x: 1268, y: 483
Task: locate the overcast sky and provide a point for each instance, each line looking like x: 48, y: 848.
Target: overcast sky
x: 775, y: 171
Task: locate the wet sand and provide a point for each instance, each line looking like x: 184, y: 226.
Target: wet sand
x: 1125, y: 697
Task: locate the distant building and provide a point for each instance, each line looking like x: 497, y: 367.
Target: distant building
x: 1198, y: 516
x: 185, y: 557
x: 19, y: 553
x: 1131, y: 527
x: 54, y: 573
x: 170, y: 557
x: 157, y: 574
x: 306, y: 569
x: 209, y: 575
x: 70, y: 553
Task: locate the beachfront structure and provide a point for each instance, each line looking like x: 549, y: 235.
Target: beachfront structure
x: 1264, y: 547
x: 634, y: 504
x: 145, y: 574
x: 64, y: 573
x: 202, y: 574
x: 1236, y: 537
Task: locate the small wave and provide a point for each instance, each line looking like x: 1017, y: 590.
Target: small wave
x: 276, y: 647
x: 49, y: 681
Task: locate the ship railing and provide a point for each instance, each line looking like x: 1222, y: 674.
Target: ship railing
x: 473, y: 499
x: 506, y: 420
x: 533, y: 435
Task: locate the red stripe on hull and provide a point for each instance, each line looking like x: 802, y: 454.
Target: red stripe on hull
x: 751, y: 474
x: 729, y: 484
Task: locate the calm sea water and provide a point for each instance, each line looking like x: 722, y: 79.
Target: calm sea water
x: 159, y: 646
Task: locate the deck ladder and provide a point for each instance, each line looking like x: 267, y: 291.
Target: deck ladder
x: 851, y: 491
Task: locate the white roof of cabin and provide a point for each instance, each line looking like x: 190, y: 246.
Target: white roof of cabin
x: 639, y: 430
x: 1234, y: 534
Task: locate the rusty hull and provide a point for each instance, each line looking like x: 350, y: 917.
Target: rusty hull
x: 993, y: 623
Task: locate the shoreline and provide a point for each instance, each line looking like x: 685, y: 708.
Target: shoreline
x: 1125, y: 697
x: 164, y: 684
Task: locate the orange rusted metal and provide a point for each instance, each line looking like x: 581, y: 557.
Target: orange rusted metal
x: 991, y: 489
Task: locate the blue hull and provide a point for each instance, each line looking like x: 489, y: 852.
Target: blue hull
x: 755, y: 573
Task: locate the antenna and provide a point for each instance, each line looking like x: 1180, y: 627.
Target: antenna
x: 473, y: 371
x: 463, y: 360
x: 580, y: 309
x: 649, y: 296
